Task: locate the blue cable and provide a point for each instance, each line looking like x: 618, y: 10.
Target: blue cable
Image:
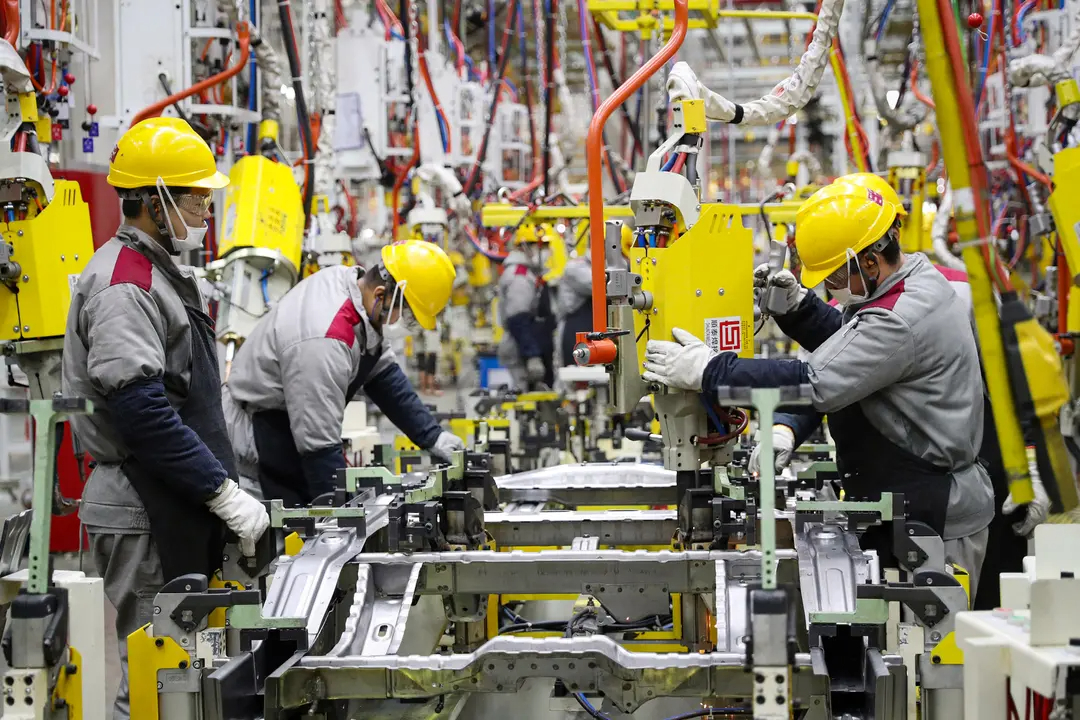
x: 670, y: 163
x: 396, y: 35
x: 711, y: 412
x: 884, y: 19
x: 265, y: 287
x: 511, y: 85
x: 985, y: 63
x: 1024, y: 10
x: 491, y: 35
x: 253, y: 84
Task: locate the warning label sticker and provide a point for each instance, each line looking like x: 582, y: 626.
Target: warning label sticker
x: 724, y: 334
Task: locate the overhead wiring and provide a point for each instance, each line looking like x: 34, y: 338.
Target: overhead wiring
x: 504, y: 56
x: 303, y: 120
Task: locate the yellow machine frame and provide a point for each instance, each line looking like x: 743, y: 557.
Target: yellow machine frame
x: 714, y: 301
x: 263, y: 209
x: 51, y: 248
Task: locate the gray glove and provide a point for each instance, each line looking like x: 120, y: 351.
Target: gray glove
x: 1037, y: 510
x: 445, y: 446
x: 777, y: 294
x: 783, y: 441
x: 243, y: 514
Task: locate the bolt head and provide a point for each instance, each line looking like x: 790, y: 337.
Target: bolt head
x: 63, y: 259
x: 698, y: 293
x: 720, y: 291
x: 20, y: 233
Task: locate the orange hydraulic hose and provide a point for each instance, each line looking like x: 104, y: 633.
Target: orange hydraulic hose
x: 243, y: 34
x: 594, y: 157
x: 11, y: 21
x: 914, y: 83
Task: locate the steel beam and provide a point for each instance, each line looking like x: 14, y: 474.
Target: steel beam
x: 559, y: 528
x: 592, y: 664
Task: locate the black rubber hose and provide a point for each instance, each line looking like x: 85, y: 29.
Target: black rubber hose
x: 302, y: 119
x: 549, y: 53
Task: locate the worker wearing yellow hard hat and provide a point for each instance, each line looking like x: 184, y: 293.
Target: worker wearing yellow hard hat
x: 315, y: 350
x: 140, y: 346
x: 897, y: 370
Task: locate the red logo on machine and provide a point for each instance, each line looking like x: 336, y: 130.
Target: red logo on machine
x: 724, y: 334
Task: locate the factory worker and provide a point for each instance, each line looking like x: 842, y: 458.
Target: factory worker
x: 140, y: 346
x: 1007, y: 544
x: 525, y: 314
x: 897, y: 371
x: 315, y: 350
x: 574, y: 296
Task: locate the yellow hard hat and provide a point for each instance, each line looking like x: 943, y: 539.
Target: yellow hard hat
x: 428, y: 276
x: 166, y: 148
x: 878, y: 184
x: 837, y: 218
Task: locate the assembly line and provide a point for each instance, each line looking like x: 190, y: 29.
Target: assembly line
x: 470, y: 359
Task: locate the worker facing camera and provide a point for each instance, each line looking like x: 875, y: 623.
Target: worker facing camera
x: 140, y: 346
x: 314, y: 351
x: 897, y: 370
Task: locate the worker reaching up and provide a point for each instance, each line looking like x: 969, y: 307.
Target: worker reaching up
x: 525, y: 313
x: 897, y: 370
x: 314, y: 351
x: 141, y: 347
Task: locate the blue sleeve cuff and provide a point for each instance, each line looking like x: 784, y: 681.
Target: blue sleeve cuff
x: 320, y: 469
x: 728, y: 369
x: 157, y: 438
x: 802, y: 422
x: 394, y: 395
x: 812, y: 323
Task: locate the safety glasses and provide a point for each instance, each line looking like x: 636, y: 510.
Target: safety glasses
x: 194, y: 204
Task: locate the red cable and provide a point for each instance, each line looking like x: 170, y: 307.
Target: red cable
x: 434, y: 97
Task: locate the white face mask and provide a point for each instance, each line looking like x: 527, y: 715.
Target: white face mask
x: 841, y: 295
x: 405, y: 324
x: 195, y: 236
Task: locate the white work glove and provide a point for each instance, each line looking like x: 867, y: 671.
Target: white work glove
x: 787, y: 296
x: 242, y: 513
x: 445, y: 446
x: 677, y: 364
x: 1037, y: 510
x: 683, y: 83
x: 534, y: 369
x: 783, y: 443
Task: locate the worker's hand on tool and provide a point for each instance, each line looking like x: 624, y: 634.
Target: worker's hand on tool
x: 786, y: 296
x: 783, y: 444
x: 677, y: 364
x: 534, y: 369
x: 242, y: 514
x: 445, y: 446
x: 1037, y: 510
x: 682, y: 83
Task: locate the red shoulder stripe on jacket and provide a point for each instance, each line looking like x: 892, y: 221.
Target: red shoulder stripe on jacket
x: 132, y: 267
x: 343, y: 326
x: 888, y: 300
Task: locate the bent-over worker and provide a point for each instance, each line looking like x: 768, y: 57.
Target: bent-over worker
x: 140, y: 346
x: 897, y: 371
x: 314, y: 351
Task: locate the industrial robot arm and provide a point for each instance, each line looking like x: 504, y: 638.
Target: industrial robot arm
x: 785, y: 99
